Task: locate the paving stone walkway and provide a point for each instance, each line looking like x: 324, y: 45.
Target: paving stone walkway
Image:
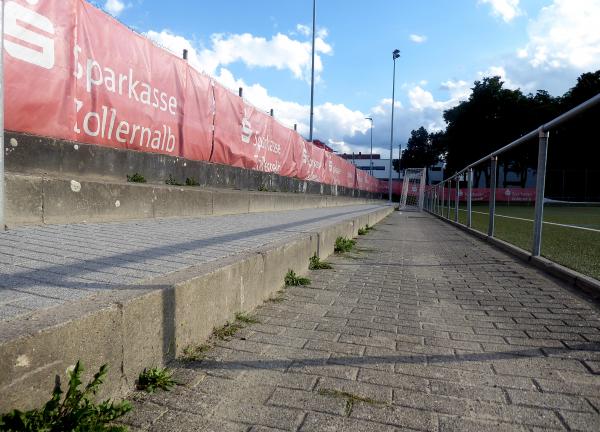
x: 424, y: 328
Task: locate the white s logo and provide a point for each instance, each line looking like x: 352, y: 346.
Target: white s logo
x: 35, y: 48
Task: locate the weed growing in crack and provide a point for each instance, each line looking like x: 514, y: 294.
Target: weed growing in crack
x: 315, y: 263
x: 195, y: 353
x: 156, y: 378
x: 351, y: 399
x: 246, y: 319
x: 292, y: 279
x: 343, y: 245
x: 136, y: 178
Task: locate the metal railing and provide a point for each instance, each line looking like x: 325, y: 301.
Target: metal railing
x: 438, y: 201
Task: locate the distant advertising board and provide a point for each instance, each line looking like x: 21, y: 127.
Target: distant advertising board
x: 73, y: 72
x: 502, y: 194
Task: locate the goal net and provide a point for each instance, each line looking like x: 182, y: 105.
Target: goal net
x: 413, y: 189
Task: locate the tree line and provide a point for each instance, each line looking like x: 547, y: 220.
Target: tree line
x: 494, y: 116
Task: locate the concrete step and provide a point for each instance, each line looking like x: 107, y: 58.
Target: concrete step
x: 103, y: 314
x: 39, y: 199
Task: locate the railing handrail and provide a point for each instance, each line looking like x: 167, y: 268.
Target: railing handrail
x: 534, y: 133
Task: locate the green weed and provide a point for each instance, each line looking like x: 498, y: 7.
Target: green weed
x: 315, y: 263
x: 136, y: 178
x: 343, y: 244
x: 292, y: 279
x: 246, y: 319
x: 191, y: 182
x: 351, y: 399
x: 156, y: 378
x: 195, y: 352
x: 172, y: 181
x: 77, y: 412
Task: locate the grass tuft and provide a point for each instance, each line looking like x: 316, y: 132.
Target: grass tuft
x: 362, y: 231
x: 136, y: 178
x: 227, y: 331
x: 195, y: 353
x: 351, y: 399
x: 315, y: 263
x: 172, y: 181
x: 191, y: 182
x: 292, y: 279
x: 246, y: 319
x: 156, y: 378
x: 343, y: 244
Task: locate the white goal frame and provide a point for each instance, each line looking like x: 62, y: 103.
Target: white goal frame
x: 413, y: 189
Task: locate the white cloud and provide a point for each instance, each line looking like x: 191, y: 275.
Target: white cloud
x: 280, y: 52
x: 114, y: 7
x: 344, y: 128
x: 417, y: 38
x: 500, y: 71
x: 505, y: 9
x: 565, y: 34
x: 303, y: 29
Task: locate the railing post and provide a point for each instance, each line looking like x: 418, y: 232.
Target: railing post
x: 442, y: 198
x: 449, y: 199
x: 457, y: 201
x: 494, y: 167
x: 540, y: 187
x: 470, y: 198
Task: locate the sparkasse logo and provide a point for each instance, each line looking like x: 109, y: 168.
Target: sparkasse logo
x: 28, y: 35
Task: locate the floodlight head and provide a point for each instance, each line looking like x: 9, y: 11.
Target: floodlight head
x: 396, y: 54
x: 368, y: 118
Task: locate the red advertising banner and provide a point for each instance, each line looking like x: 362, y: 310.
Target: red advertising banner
x: 39, y: 89
x: 198, y: 115
x: 129, y: 96
x: 502, y: 194
x: 73, y: 72
x: 280, y: 150
x: 309, y: 160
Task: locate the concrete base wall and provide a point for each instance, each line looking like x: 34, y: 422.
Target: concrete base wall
x: 149, y: 325
x: 41, y: 156
x: 50, y: 200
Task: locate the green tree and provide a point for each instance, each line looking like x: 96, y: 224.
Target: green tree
x: 420, y: 151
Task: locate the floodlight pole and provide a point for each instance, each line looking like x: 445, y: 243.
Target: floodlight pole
x: 2, y: 181
x: 312, y: 73
x: 395, y: 55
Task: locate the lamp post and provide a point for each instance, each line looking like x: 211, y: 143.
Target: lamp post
x: 395, y: 55
x: 371, y: 158
x: 312, y: 73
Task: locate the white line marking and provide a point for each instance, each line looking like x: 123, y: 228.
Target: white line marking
x: 531, y: 220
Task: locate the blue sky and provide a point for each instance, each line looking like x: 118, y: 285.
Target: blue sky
x: 264, y: 46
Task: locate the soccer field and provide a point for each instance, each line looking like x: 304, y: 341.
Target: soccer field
x: 570, y: 236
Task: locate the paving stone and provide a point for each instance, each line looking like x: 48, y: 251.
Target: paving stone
x: 308, y: 401
x: 393, y: 380
x: 249, y: 413
x: 458, y: 424
x: 317, y: 422
x: 548, y: 400
x: 582, y: 421
x: 174, y: 421
x: 397, y: 416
